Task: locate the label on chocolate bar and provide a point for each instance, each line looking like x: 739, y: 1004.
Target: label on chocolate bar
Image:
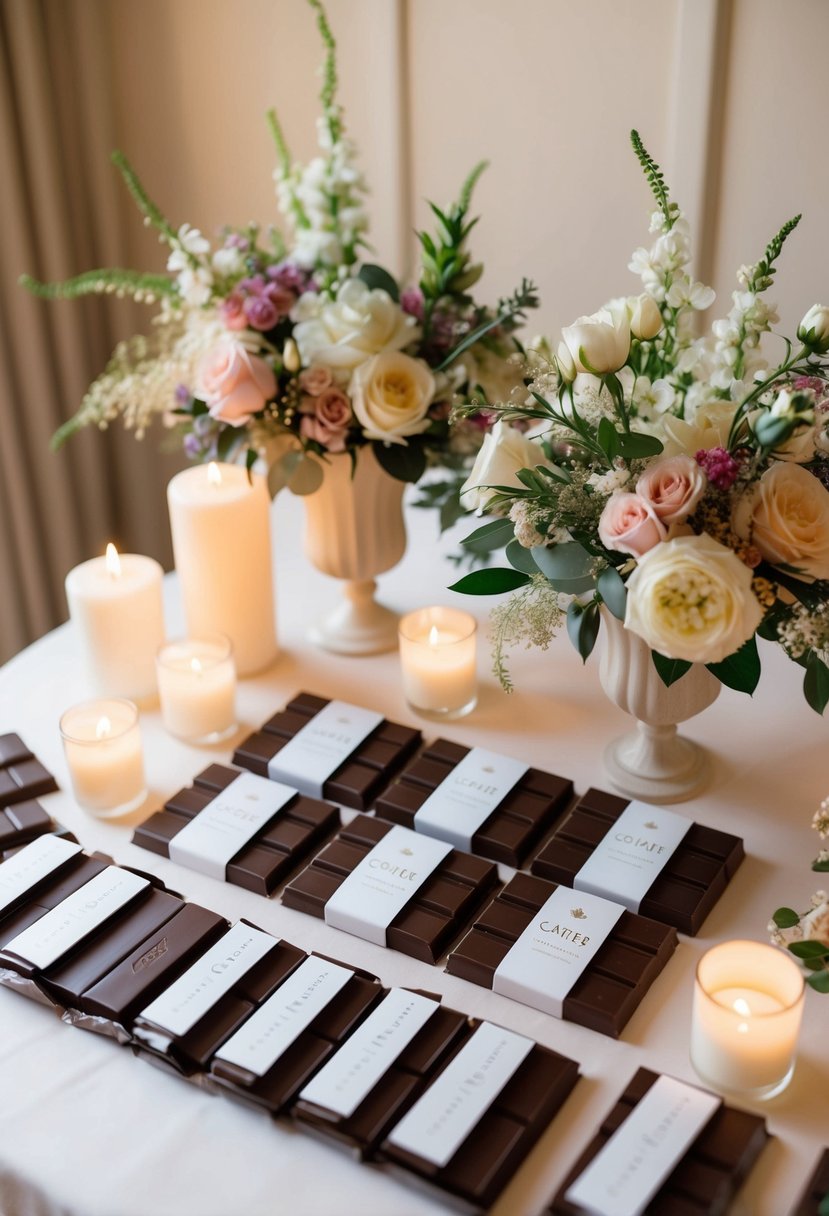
x: 382, y: 883
x: 319, y: 748
x: 31, y: 865
x: 557, y: 945
x: 187, y: 1000
x: 213, y: 838
x: 342, y: 1084
x: 626, y: 862
x: 437, y: 1125
x: 75, y: 917
x: 278, y: 1023
x: 466, y: 798
x: 624, y: 1176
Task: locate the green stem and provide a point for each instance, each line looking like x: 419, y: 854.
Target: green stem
x: 758, y: 391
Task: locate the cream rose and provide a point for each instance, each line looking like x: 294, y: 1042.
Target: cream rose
x: 599, y: 343
x: 503, y: 453
x: 787, y: 518
x: 629, y: 524
x: 344, y: 332
x: 673, y: 485
x: 645, y: 317
x: 234, y: 383
x: 390, y: 395
x: 691, y: 598
x: 709, y: 428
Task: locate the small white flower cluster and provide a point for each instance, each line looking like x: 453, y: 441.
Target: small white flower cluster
x: 812, y: 926
x: 736, y: 355
x: 189, y: 263
x: 805, y: 629
x: 607, y: 483
x: 663, y: 267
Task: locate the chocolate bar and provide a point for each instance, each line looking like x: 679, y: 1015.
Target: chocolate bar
x: 376, y: 1075
x: 22, y: 776
x: 433, y: 890
x: 681, y: 894
x: 708, y: 1174
x: 619, y: 962
x: 355, y: 766
x: 21, y: 823
x: 815, y: 1198
x: 474, y: 1125
x: 262, y: 860
x: 506, y: 818
x: 294, y: 1032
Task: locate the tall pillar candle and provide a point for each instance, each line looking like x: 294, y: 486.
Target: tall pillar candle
x: 222, y: 547
x: 115, y: 606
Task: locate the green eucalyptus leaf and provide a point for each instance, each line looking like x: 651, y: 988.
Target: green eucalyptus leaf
x: 280, y: 471
x: 809, y: 949
x: 786, y: 918
x: 490, y: 536
x: 306, y: 477
x: 375, y: 276
x: 404, y: 463
x: 612, y: 589
x: 633, y: 445
x: 568, y: 566
x: 816, y: 683
x: 583, y: 627
x: 670, y: 670
x: 490, y: 582
x: 521, y: 558
x: 741, y: 670
x: 821, y: 867
x: 820, y: 982
x: 450, y: 512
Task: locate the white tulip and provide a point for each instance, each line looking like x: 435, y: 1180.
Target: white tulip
x: 504, y: 452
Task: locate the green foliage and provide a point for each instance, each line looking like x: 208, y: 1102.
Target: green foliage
x: 764, y: 270
x: 376, y: 276
x: 741, y: 670
x: 446, y: 269
x: 511, y: 310
x: 669, y: 670
x: 816, y: 683
x: 655, y: 179
x: 786, y: 918
x: 490, y: 582
x: 611, y: 587
x: 521, y: 558
x: 102, y: 282
x: 490, y: 536
x: 142, y: 200
x: 568, y: 566
x: 403, y: 463
x: 820, y: 983
x: 583, y: 626
x: 328, y: 92
x: 278, y: 136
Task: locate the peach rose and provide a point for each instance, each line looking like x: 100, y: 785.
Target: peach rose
x: 629, y: 524
x: 787, y: 518
x: 326, y: 418
x: 673, y: 486
x: 316, y: 379
x: 234, y: 383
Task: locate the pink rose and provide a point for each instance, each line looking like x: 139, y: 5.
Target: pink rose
x: 326, y: 418
x: 234, y: 383
x: 629, y: 524
x: 282, y: 299
x: 316, y: 380
x: 261, y: 312
x: 233, y: 312
x: 673, y: 486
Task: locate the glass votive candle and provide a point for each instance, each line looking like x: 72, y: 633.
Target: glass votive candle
x: 102, y: 744
x: 748, y: 1002
x: 197, y: 688
x: 437, y: 658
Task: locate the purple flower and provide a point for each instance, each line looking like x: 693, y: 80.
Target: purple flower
x: 261, y: 312
x: 183, y: 395
x: 235, y: 240
x: 719, y: 465
x: 288, y: 275
x: 282, y: 299
x: 252, y: 286
x: 411, y: 301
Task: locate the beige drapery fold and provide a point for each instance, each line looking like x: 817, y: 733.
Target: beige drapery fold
x: 61, y: 212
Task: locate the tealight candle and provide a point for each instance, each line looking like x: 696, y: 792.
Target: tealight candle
x: 115, y: 605
x: 197, y: 688
x: 437, y: 657
x: 102, y: 743
x: 748, y: 1001
x: 220, y: 521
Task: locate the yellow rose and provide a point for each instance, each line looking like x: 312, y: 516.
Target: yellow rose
x: 787, y: 517
x: 390, y: 396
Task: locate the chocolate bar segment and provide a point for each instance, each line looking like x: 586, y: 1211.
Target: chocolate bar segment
x: 503, y: 1133
x: 707, y: 1177
x: 438, y: 910
x: 22, y: 823
x: 614, y: 982
x: 22, y: 777
x: 272, y: 854
x: 360, y: 778
x: 682, y: 894
x: 816, y: 1192
x: 508, y: 833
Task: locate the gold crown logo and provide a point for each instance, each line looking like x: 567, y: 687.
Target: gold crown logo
x: 407, y: 852
x: 578, y: 914
x: 488, y: 769
x: 653, y: 826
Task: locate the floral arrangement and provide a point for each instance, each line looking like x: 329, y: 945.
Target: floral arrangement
x: 806, y: 934
x: 309, y: 344
x: 680, y: 482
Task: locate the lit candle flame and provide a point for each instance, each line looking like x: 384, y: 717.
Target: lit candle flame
x: 195, y: 667
x: 742, y: 1007
x: 214, y: 474
x: 103, y: 729
x: 113, y: 561
x: 434, y: 636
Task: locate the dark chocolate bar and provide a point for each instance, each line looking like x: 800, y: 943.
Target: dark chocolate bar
x: 22, y: 776
x: 490, y: 1155
x: 685, y: 891
x: 510, y: 832
x: 816, y: 1192
x: 21, y: 823
x: 612, y: 985
x: 401, y: 1082
x: 277, y: 1087
x: 709, y: 1175
x: 439, y: 909
x: 270, y: 857
x: 358, y: 781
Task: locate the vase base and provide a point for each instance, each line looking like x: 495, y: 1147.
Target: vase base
x: 357, y: 626
x: 683, y: 774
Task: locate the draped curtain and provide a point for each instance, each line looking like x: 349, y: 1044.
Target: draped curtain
x: 61, y: 211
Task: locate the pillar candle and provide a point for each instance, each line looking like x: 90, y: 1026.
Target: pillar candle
x: 115, y: 606
x: 221, y: 542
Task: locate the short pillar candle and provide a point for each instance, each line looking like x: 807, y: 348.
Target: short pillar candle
x: 102, y: 744
x: 197, y: 688
x: 748, y: 1002
x: 437, y: 658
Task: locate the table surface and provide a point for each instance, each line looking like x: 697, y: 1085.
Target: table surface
x: 87, y: 1129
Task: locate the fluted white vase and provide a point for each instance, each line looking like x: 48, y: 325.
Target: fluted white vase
x: 354, y: 530
x: 653, y: 762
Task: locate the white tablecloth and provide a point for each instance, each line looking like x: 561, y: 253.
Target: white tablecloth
x: 87, y: 1129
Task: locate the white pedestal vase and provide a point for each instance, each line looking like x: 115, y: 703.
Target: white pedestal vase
x: 653, y: 762
x: 354, y: 530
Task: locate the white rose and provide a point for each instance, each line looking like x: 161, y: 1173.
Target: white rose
x: 710, y: 428
x: 786, y: 515
x: 691, y: 598
x: 344, y: 332
x: 228, y: 261
x: 503, y: 453
x: 390, y: 396
x: 813, y: 330
x: 645, y: 317
x: 599, y: 343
